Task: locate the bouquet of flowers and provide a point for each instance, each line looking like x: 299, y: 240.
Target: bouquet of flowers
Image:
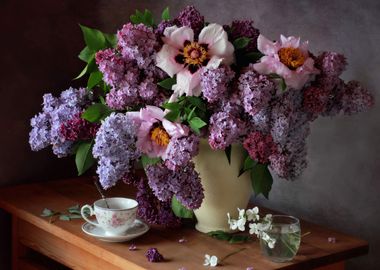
x: 155, y: 90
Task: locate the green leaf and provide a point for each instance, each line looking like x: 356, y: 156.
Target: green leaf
x: 220, y: 235
x: 238, y: 239
x: 74, y: 209
x: 180, y: 210
x: 84, y: 159
x: 191, y: 114
x: 94, y: 79
x: 148, y: 18
x: 94, y: 39
x: 168, y: 83
x: 135, y: 19
x: 228, y: 153
x: 82, y: 73
x: 172, y: 116
x: 64, y: 217
x: 86, y: 54
x: 111, y: 40
x: 253, y: 57
x: 90, y: 67
x: 197, y: 101
x: 75, y: 216
x: 283, y: 84
x: 261, y: 180
x: 241, y: 43
x: 165, y: 14
x: 47, y: 213
x: 96, y: 112
x: 102, y: 100
x: 196, y: 122
x: 248, y: 164
x: 173, y: 106
x: 145, y: 160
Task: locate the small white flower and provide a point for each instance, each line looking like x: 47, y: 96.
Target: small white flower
x: 270, y: 241
x: 241, y: 213
x: 253, y: 214
x: 268, y: 218
x: 210, y: 260
x: 253, y: 228
x: 232, y: 222
x: 241, y: 224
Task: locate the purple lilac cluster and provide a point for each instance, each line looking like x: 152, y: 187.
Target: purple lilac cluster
x: 153, y: 210
x: 290, y: 127
x: 153, y: 255
x: 256, y: 91
x: 184, y: 183
x: 215, y: 82
x: 180, y: 151
x: 56, y: 111
x: 189, y: 16
x: 192, y: 18
x: 225, y: 128
x: 130, y: 69
x: 115, y: 148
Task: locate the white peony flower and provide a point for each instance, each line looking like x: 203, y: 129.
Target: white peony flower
x: 183, y: 56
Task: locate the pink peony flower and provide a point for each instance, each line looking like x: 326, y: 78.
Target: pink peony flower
x: 288, y: 58
x: 181, y: 55
x: 154, y: 131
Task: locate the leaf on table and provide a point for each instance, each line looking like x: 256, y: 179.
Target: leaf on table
x: 47, y: 213
x: 64, y: 217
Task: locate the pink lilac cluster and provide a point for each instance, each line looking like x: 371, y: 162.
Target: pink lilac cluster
x: 153, y: 255
x: 46, y: 126
x: 259, y: 146
x: 184, y: 183
x: 78, y: 128
x: 244, y: 29
x: 130, y: 69
x: 180, y: 151
x: 153, y: 210
x: 115, y: 148
x: 215, y: 82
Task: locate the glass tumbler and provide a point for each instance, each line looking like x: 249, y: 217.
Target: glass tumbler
x: 281, y: 240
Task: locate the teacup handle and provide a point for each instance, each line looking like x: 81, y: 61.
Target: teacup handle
x: 84, y: 207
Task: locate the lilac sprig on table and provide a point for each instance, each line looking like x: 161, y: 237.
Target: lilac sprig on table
x: 156, y: 89
x: 70, y: 213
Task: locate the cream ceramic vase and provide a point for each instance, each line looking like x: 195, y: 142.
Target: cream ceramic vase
x: 224, y: 191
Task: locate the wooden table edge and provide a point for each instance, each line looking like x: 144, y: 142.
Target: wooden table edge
x: 67, y: 236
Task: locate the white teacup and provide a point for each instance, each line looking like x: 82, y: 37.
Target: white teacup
x: 114, y: 220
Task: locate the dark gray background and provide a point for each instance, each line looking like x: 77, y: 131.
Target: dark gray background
x: 339, y: 189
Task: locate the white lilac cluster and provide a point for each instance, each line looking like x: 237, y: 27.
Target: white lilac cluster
x: 257, y: 226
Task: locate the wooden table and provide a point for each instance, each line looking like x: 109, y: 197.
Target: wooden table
x: 64, y: 241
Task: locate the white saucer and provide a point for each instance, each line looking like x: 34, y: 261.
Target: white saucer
x: 138, y: 228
